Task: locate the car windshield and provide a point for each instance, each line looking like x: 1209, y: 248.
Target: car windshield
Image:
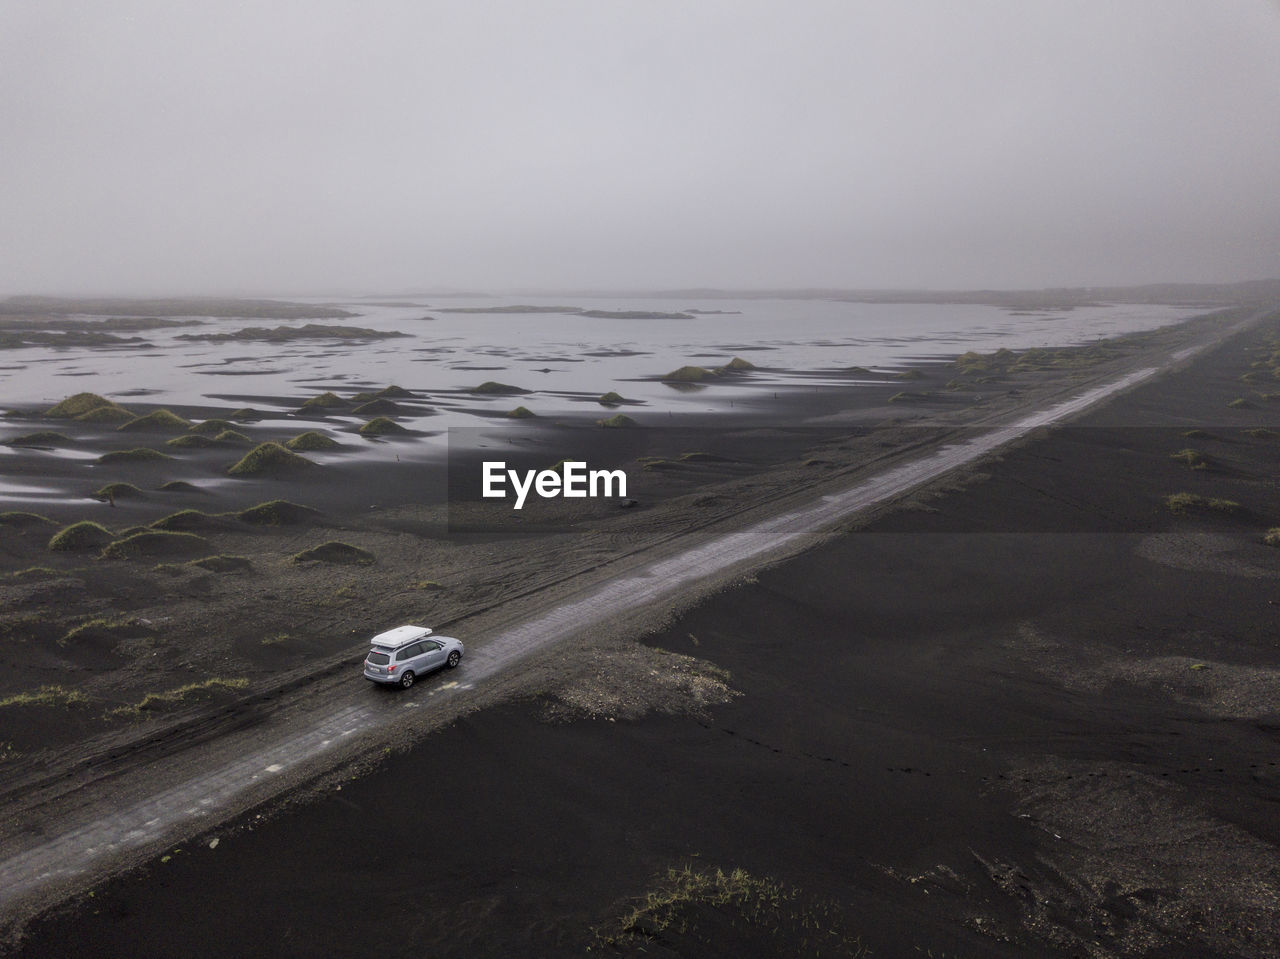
x: 379, y: 659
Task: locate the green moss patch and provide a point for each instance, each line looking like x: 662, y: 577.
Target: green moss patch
x: 232, y: 438
x: 277, y: 512
x: 690, y: 374
x: 192, y: 441
x: 381, y: 426
x: 335, y: 552
x: 1240, y: 403
x: 77, y: 405
x: 157, y: 421
x: 18, y: 519
x: 180, y: 486
x: 115, y: 491
x: 311, y: 441
x: 738, y: 365
x: 103, y: 630
x: 80, y: 536
x: 155, y: 543
x: 158, y: 702
x: 47, y: 696
x: 189, y: 519
x: 376, y: 407
x: 138, y: 454
x: 325, y: 401
x: 611, y: 399
x: 521, y: 413
x: 1193, y: 458
x: 212, y: 427
x: 1188, y: 502
x: 223, y: 564
x: 493, y: 388
x: 618, y: 421
x: 42, y: 438
x: 247, y: 415
x: 106, y: 416
x: 268, y: 459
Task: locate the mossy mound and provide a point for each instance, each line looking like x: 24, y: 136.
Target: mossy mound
x: 381, y: 426
x: 335, y: 552
x: 1240, y: 403
x: 325, y: 401
x: 137, y: 455
x: 312, y: 440
x: 156, y: 543
x: 180, y: 486
x: 17, y: 519
x: 77, y: 405
x: 690, y: 374
x: 1193, y: 458
x: 42, y: 438
x: 738, y: 365
x: 277, y: 512
x: 189, y: 519
x: 397, y: 392
x: 493, y: 388
x: 192, y: 441
x: 157, y: 421
x: 115, y: 491
x: 232, y: 438
x: 375, y: 407
x: 611, y: 399
x: 223, y: 564
x: 909, y: 375
x: 267, y: 459
x: 521, y: 413
x: 106, y: 415
x: 212, y: 427
x: 618, y: 421
x: 247, y: 415
x: 82, y: 535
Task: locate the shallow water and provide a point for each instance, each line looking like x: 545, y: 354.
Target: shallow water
x: 564, y: 358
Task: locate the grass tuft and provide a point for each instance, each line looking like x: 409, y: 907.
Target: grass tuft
x: 611, y: 399
x: 690, y: 374
x: 155, y: 702
x: 521, y: 413
x: 17, y: 519
x: 115, y: 491
x: 42, y: 438
x: 47, y: 696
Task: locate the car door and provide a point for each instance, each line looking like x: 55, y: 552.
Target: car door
x: 408, y: 659
x: 432, y: 656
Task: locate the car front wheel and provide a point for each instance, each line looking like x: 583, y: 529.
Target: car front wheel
x: 406, y: 680
x: 455, y: 657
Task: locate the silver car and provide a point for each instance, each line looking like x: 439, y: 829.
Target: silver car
x: 401, y: 655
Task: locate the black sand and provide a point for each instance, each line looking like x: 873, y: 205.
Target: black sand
x: 1035, y: 714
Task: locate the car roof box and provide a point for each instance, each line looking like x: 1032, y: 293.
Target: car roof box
x: 401, y: 635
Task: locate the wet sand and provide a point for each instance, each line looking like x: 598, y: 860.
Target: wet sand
x: 1033, y: 713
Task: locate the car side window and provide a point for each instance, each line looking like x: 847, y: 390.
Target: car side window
x: 409, y: 652
x: 431, y: 646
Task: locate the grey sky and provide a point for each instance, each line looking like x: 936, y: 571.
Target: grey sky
x: 324, y: 146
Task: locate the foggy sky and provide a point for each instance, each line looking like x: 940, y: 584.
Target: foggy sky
x: 323, y: 146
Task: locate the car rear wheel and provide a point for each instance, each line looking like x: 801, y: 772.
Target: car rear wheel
x: 406, y: 680
x: 455, y: 657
